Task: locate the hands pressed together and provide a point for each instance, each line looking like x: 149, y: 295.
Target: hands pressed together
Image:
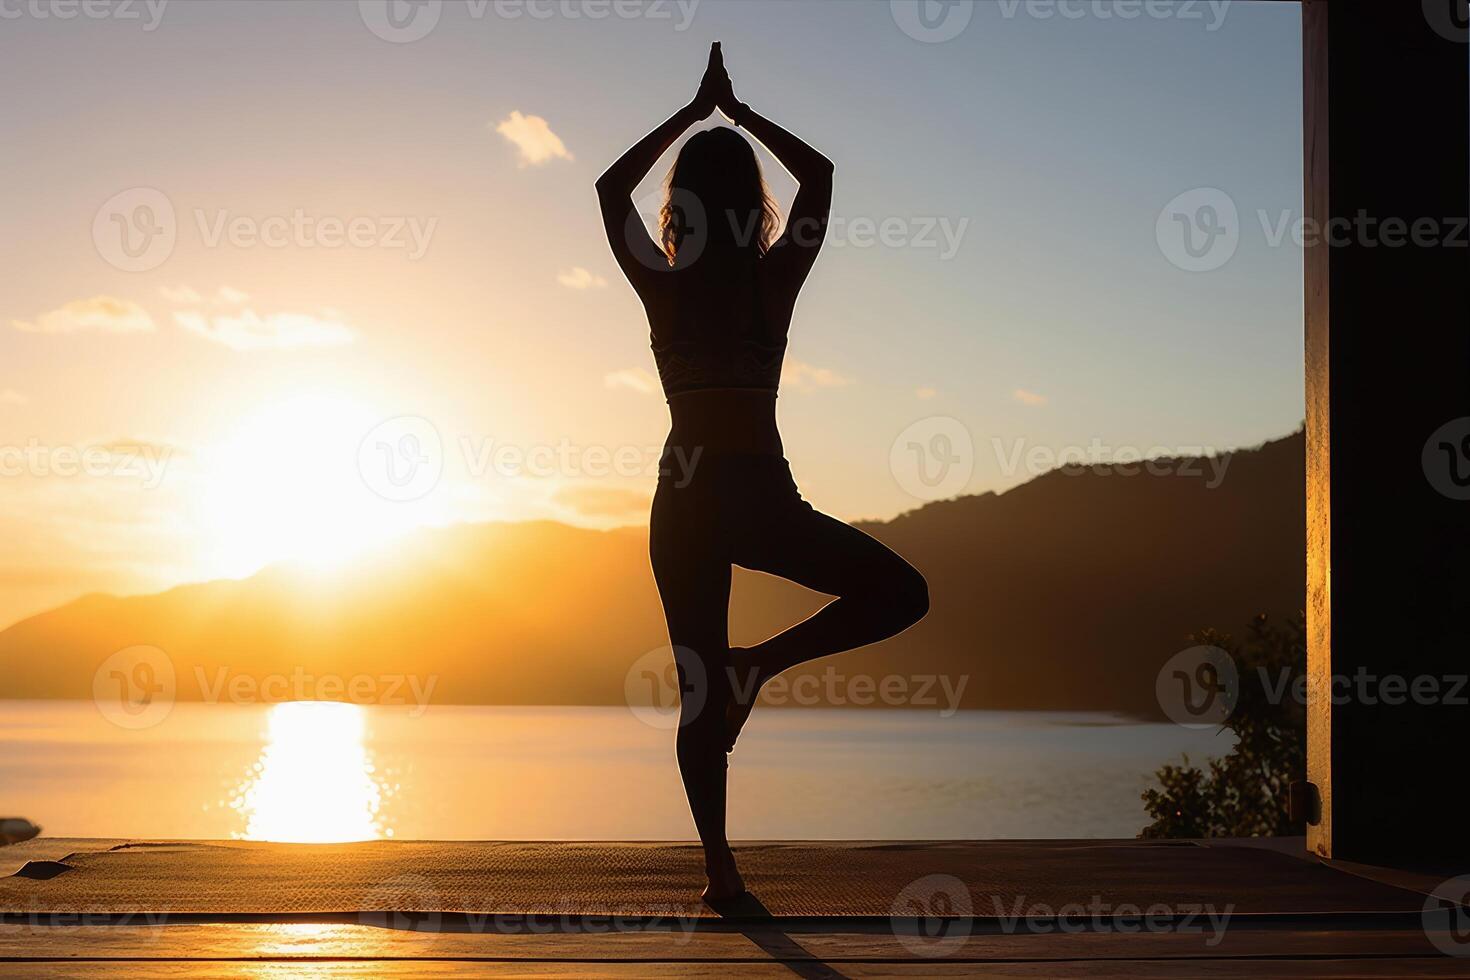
x: 716, y: 90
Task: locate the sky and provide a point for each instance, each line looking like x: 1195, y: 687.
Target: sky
x: 286, y: 279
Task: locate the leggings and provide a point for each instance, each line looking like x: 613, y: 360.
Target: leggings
x: 745, y: 510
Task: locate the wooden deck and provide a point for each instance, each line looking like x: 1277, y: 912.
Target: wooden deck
x: 91, y: 914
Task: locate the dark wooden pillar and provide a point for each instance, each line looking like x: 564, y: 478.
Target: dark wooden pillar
x: 1387, y: 365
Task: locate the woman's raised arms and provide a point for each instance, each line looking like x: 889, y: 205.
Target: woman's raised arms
x: 806, y: 226
x: 636, y: 253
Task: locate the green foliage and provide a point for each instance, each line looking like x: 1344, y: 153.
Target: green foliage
x: 1245, y: 793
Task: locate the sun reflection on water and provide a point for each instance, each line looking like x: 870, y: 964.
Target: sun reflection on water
x: 315, y: 781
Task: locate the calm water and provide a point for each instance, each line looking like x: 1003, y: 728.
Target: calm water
x: 338, y: 772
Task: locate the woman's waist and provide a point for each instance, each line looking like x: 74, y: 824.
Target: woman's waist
x: 725, y: 421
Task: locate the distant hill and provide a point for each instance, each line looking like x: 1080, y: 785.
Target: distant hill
x: 1066, y: 592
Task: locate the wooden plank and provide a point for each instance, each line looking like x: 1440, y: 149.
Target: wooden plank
x: 414, y: 970
x: 662, y: 879
x: 1388, y: 379
x: 328, y: 941
x: 1317, y: 321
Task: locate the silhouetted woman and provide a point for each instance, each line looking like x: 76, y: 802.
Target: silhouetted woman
x: 719, y: 293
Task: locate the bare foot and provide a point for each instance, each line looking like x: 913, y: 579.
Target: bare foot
x: 746, y: 684
x: 724, y: 879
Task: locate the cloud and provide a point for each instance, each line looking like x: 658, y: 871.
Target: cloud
x: 101, y: 313
x: 805, y: 377
x: 180, y: 294
x: 223, y: 296
x: 924, y: 394
x: 533, y: 138
x: 1028, y: 397
x: 9, y: 396
x: 248, y: 330
x: 141, y: 448
x: 634, y: 379
x: 579, y: 278
x: 600, y: 501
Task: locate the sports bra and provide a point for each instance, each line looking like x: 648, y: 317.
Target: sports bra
x: 706, y: 351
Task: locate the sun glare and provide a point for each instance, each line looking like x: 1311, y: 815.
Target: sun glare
x: 315, y: 781
x: 284, y: 483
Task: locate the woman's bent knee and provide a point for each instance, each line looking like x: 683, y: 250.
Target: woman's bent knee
x: 913, y: 597
x: 906, y: 597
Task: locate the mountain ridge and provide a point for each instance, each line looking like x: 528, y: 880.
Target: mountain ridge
x: 1064, y: 592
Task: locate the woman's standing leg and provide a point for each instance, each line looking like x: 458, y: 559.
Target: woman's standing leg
x: 692, y: 568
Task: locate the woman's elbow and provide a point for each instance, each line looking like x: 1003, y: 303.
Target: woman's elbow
x: 606, y: 184
x: 817, y: 174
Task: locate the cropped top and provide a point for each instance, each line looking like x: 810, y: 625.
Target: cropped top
x: 730, y: 347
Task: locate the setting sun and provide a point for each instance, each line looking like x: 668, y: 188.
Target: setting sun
x: 285, y: 484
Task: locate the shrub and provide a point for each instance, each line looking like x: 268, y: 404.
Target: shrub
x: 1245, y: 793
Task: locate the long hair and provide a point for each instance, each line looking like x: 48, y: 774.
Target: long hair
x: 717, y: 172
